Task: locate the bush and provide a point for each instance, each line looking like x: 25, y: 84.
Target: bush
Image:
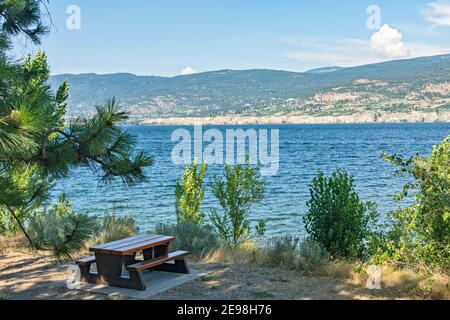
x: 239, y: 188
x: 282, y: 251
x: 189, y: 194
x: 64, y: 232
x: 421, y: 232
x: 200, y: 240
x: 337, y: 219
x: 61, y: 231
x: 114, y: 228
x: 312, y: 255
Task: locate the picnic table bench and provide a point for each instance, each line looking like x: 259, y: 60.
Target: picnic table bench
x: 113, y: 258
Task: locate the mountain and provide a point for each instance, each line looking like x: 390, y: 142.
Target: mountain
x: 420, y: 84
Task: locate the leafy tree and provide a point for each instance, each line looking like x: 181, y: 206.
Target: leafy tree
x: 421, y: 232
x: 337, y: 218
x: 37, y: 147
x: 189, y: 194
x: 239, y: 188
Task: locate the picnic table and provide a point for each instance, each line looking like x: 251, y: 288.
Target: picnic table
x: 112, y: 259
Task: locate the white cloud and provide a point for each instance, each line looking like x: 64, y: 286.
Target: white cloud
x: 437, y: 13
x: 319, y: 52
x: 187, y: 71
x: 388, y: 43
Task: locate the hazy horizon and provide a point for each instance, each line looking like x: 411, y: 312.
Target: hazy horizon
x: 237, y: 70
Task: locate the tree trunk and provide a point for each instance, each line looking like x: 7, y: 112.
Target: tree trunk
x: 23, y: 229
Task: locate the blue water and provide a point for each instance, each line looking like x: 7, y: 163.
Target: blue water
x: 304, y: 150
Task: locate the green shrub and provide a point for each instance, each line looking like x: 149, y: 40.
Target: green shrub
x: 114, y: 228
x: 61, y: 231
x: 200, y: 240
x: 421, y: 232
x: 337, y: 219
x: 189, y: 194
x: 239, y: 188
x: 282, y: 251
x: 312, y: 254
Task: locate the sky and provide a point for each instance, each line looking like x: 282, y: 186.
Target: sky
x: 173, y: 37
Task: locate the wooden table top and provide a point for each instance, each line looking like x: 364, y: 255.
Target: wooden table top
x: 132, y: 245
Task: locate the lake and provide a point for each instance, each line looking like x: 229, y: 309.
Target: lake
x: 304, y: 150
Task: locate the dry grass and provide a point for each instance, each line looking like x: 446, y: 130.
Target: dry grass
x: 29, y: 276
x: 421, y: 283
x: 248, y: 254
x: 418, y: 283
x: 19, y: 245
x: 342, y: 269
x: 14, y: 244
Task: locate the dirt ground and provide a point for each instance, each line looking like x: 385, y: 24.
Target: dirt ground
x: 25, y: 276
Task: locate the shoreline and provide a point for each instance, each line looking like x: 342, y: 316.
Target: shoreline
x: 362, y: 118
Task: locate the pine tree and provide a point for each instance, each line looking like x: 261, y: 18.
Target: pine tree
x: 37, y: 147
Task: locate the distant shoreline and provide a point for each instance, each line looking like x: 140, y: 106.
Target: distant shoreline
x: 361, y: 118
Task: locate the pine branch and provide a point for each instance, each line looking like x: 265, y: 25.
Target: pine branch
x: 21, y: 226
